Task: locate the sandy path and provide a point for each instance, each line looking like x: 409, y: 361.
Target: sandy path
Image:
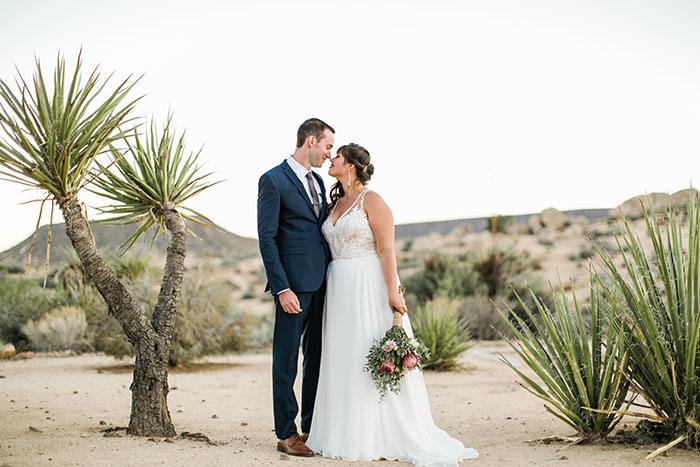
x: 67, y: 397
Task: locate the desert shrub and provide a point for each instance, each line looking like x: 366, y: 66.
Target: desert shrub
x: 485, y: 323
x: 495, y: 274
x: 248, y: 294
x: 586, y: 252
x: 545, y: 240
x: 205, y: 322
x: 237, y: 332
x: 203, y: 305
x: 524, y: 294
x: 131, y: 267
x: 21, y: 300
x: 442, y: 275
x: 261, y: 332
x: 60, y: 329
x: 500, y: 223
x: 11, y: 269
x: 581, y: 374
x: 501, y: 266
x: 438, y: 325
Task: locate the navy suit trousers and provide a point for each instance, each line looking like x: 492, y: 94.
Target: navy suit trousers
x: 291, y: 330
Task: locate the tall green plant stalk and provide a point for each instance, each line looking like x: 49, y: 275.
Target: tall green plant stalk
x: 53, y: 138
x: 581, y: 371
x: 659, y: 295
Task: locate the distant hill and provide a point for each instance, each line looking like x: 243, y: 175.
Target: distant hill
x: 220, y: 244
x: 444, y: 227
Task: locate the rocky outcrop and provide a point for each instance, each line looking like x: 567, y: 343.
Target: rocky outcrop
x: 658, y: 203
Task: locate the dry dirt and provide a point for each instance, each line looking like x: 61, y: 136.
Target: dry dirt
x: 69, y: 401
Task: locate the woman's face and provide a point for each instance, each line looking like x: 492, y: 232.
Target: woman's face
x: 339, y: 167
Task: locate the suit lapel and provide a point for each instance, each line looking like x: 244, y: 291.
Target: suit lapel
x: 297, y: 183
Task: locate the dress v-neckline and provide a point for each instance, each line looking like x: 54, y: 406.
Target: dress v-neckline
x: 347, y: 210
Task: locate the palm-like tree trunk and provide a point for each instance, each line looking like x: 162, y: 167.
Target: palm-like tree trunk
x: 151, y: 340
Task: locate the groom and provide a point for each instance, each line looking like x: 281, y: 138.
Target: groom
x: 291, y: 209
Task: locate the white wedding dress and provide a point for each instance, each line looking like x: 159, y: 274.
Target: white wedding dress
x: 349, y: 422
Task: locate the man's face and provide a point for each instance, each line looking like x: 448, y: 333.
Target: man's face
x: 319, y: 152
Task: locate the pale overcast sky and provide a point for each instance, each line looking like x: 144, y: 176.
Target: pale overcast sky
x: 467, y: 107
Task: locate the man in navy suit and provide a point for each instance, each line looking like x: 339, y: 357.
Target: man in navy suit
x: 291, y: 209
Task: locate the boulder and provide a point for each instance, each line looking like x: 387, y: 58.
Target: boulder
x: 533, y: 223
x: 632, y: 208
x: 7, y: 351
x: 679, y: 199
x: 519, y: 228
x: 547, y: 237
x: 553, y: 219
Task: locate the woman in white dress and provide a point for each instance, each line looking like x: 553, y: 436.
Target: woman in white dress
x: 349, y: 421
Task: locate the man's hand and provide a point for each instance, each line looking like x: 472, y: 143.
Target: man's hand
x: 289, y: 302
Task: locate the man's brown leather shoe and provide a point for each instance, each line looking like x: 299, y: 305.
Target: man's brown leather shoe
x: 304, y: 437
x: 294, y: 446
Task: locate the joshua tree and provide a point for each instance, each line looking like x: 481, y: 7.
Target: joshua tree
x: 52, y: 139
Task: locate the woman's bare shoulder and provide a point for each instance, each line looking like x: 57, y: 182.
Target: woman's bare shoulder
x: 374, y: 198
x: 374, y: 201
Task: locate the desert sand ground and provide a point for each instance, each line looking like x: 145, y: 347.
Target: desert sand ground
x: 70, y: 400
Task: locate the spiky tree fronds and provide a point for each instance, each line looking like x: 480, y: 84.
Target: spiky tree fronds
x: 153, y: 175
x: 52, y: 134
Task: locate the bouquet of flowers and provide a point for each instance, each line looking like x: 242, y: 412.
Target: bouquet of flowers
x: 392, y: 356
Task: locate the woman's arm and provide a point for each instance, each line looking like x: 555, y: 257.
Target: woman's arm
x: 382, y: 223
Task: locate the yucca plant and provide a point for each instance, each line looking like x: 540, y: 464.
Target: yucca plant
x: 581, y: 370
x: 159, y: 173
x: 658, y: 293
x: 53, y: 139
x: 439, y: 327
x: 54, y: 133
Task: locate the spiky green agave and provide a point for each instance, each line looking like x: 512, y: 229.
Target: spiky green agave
x: 659, y: 294
x: 446, y: 335
x: 582, y: 371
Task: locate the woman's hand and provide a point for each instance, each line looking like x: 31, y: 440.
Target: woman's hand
x: 397, y: 303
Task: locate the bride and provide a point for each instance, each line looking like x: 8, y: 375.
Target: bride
x: 349, y: 421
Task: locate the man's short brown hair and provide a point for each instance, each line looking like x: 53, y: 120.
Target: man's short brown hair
x: 312, y: 127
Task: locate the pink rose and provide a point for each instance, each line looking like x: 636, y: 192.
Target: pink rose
x: 410, y: 361
x: 387, y: 367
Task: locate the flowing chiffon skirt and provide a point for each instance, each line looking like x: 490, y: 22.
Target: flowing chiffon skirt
x: 349, y: 421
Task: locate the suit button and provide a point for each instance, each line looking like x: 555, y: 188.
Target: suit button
x: 321, y: 242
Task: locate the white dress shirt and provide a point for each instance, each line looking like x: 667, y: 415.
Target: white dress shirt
x: 301, y: 172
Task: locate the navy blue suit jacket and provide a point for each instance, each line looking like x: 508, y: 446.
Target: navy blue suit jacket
x: 292, y: 246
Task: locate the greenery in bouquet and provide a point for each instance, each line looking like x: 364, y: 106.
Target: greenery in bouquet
x: 391, y: 357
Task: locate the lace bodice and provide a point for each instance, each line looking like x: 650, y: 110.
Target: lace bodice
x: 351, y: 236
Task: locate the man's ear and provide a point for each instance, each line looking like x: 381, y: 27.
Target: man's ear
x: 311, y: 141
